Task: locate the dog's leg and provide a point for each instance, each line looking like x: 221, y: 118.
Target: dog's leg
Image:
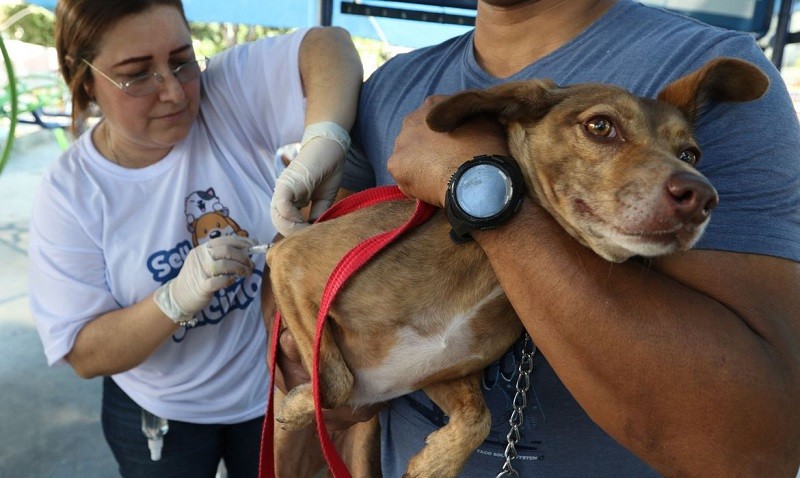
x: 447, y: 449
x: 300, y: 456
x: 360, y: 448
x: 336, y: 383
x: 297, y: 452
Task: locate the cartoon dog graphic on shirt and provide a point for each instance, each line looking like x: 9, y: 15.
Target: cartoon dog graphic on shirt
x: 207, y: 218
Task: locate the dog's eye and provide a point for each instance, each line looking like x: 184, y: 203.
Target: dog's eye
x: 689, y: 156
x: 601, y: 126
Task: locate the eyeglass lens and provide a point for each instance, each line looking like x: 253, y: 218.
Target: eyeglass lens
x: 147, y: 84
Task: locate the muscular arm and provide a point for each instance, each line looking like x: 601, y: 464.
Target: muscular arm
x: 120, y: 340
x: 331, y: 71
x: 692, y: 362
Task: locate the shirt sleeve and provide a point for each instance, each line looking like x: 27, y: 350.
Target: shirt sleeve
x: 358, y: 172
x: 256, y: 89
x: 751, y: 154
x: 67, y: 275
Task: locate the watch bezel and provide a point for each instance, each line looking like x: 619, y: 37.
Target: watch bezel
x: 462, y: 222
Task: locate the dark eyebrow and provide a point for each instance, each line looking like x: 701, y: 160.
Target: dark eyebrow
x: 139, y: 59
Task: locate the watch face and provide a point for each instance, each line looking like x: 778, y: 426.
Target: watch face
x: 483, y: 191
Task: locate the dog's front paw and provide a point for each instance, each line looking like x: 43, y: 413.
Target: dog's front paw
x: 297, y: 408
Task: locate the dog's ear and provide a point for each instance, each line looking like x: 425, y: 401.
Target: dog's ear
x: 530, y: 99
x: 722, y: 79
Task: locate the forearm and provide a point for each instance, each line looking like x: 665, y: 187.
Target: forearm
x: 332, y: 73
x: 686, y: 381
x: 120, y: 340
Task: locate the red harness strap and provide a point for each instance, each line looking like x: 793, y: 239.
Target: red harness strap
x: 347, y: 266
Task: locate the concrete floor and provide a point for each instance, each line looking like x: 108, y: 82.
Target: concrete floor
x: 49, y: 418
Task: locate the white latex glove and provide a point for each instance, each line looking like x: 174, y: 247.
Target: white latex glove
x: 314, y: 176
x: 207, y: 268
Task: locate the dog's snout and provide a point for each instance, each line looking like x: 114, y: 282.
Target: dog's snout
x: 691, y: 197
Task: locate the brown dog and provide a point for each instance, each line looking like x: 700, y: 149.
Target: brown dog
x: 615, y: 170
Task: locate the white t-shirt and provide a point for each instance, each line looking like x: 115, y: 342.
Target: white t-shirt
x: 104, y: 237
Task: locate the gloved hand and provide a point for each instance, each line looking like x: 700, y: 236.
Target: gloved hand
x: 314, y: 176
x: 207, y: 268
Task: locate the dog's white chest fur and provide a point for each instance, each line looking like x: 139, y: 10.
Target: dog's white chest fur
x: 415, y: 356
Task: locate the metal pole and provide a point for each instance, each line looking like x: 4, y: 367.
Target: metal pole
x: 325, y: 8
x: 779, y: 41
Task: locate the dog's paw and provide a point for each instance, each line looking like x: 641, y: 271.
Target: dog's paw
x: 293, y: 419
x: 297, y: 408
x: 292, y: 425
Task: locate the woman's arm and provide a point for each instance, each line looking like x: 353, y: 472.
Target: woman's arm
x: 331, y: 71
x: 120, y: 340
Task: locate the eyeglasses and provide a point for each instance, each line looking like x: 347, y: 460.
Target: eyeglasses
x: 147, y: 83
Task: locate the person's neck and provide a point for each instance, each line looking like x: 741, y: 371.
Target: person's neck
x: 507, y: 39
x: 106, y: 143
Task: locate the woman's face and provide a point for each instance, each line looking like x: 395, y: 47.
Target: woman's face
x: 157, y: 40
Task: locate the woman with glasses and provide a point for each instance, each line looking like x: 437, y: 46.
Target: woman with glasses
x: 140, y: 268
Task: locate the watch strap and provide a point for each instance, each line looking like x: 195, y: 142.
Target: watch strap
x: 459, y: 230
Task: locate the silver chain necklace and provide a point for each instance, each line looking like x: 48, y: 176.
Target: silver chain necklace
x: 520, y: 401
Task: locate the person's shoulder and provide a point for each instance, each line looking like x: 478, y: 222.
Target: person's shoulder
x: 68, y: 166
x: 64, y: 182
x: 633, y: 12
x: 643, y: 48
x: 419, y: 58
x: 666, y: 29
x: 288, y: 42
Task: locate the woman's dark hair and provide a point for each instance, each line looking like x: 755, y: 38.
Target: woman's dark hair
x: 80, y: 26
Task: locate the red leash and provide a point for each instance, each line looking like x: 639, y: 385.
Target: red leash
x: 347, y: 266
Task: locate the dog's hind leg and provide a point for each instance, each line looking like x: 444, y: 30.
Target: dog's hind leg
x: 447, y: 449
x: 298, y: 450
x: 336, y: 383
x: 360, y: 448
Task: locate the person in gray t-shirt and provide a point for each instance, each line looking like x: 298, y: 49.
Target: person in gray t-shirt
x: 688, y: 365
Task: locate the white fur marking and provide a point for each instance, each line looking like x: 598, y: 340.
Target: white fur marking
x: 415, y: 357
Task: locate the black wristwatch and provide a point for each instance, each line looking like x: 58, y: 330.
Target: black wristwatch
x: 483, y: 193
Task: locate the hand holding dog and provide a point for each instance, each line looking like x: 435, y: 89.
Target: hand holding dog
x: 411, y: 166
x: 206, y: 269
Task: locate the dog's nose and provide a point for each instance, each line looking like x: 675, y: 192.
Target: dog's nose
x: 691, y: 197
x: 214, y: 234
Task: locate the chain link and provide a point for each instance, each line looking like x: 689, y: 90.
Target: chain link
x: 519, y: 403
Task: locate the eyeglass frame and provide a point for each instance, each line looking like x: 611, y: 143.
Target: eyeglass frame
x: 125, y: 87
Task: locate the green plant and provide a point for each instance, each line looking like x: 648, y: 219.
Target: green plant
x: 33, y: 24
x: 213, y: 37
x: 27, y: 23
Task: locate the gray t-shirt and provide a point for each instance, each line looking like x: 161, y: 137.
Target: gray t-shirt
x: 751, y: 153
